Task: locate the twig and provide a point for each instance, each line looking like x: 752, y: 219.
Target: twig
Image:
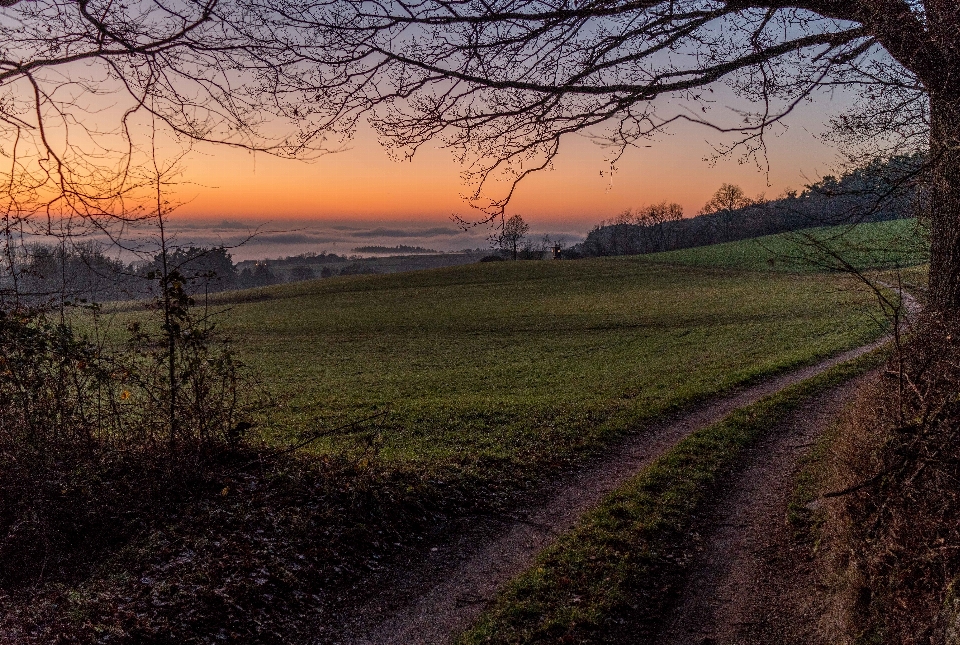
x: 313, y: 437
x: 852, y: 489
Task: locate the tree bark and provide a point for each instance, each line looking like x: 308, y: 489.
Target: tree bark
x: 943, y: 202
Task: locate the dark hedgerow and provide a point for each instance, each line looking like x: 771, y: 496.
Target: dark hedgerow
x: 93, y: 440
x: 902, y: 502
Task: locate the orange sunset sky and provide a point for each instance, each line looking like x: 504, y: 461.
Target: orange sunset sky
x: 362, y: 183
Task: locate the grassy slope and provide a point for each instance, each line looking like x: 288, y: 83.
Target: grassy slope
x: 610, y: 578
x: 866, y: 246
x: 514, y: 364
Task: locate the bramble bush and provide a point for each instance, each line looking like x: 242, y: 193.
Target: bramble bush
x: 91, y: 435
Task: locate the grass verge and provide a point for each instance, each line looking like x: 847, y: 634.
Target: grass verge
x: 487, y: 369
x: 806, y: 512
x: 610, y: 578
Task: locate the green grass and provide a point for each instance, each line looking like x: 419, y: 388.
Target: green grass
x: 609, y: 579
x: 804, y: 513
x: 880, y: 245
x: 514, y: 366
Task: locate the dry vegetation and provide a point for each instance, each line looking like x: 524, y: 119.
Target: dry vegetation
x: 889, y: 510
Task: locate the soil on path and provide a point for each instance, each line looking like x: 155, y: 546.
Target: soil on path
x: 432, y: 600
x: 753, y: 581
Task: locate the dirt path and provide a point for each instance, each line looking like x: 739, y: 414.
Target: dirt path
x: 752, y: 582
x: 441, y: 597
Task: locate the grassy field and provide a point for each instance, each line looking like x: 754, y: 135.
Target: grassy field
x: 511, y: 365
x: 881, y: 245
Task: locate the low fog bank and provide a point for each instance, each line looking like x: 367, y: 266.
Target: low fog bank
x: 249, y: 240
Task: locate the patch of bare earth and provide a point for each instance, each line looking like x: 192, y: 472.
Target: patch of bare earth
x: 753, y: 581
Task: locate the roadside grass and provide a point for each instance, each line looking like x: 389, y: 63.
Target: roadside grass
x: 878, y: 245
x: 804, y: 508
x: 610, y: 578
x: 824, y: 463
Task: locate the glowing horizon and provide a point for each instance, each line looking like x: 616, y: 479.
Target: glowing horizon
x: 364, y: 184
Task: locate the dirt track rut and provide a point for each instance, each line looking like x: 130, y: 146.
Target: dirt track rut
x: 752, y: 582
x: 431, y: 603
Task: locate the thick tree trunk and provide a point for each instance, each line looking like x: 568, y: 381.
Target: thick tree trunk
x: 943, y: 204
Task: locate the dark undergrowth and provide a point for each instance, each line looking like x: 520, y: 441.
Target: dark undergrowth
x: 133, y: 509
x: 245, y: 549
x: 897, y: 521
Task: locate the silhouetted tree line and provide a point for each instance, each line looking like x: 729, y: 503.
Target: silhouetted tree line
x: 40, y: 274
x: 295, y: 268
x: 879, y: 191
x: 395, y: 250
x: 82, y: 271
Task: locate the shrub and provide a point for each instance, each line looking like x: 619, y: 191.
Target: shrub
x: 901, y: 498
x: 58, y: 392
x: 302, y: 272
x: 91, y: 438
x: 359, y: 268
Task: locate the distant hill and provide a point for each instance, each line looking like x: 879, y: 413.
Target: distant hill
x: 880, y: 191
x: 400, y: 249
x: 878, y: 245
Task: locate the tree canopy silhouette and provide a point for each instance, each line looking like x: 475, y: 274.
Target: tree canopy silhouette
x: 502, y: 81
x: 512, y: 234
x: 100, y: 99
x: 499, y: 81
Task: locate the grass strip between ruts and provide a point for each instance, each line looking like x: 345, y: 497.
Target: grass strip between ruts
x: 609, y: 579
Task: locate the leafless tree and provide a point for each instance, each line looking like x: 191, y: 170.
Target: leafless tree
x: 502, y: 81
x: 511, y: 235
x: 641, y: 230
x: 654, y: 219
x: 92, y: 92
x: 725, y: 203
x: 100, y: 101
